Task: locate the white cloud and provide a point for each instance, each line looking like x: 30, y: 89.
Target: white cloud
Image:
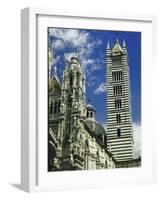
x: 58, y: 44
x: 81, y: 41
x: 56, y: 60
x: 92, y: 80
x: 68, y: 56
x: 100, y: 89
x: 71, y: 37
x: 137, y: 139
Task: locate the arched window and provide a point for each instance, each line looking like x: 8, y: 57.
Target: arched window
x: 118, y: 118
x: 118, y: 132
x: 55, y: 107
x: 71, y: 80
x: 69, y: 102
x: 91, y: 114
x: 78, y: 79
x: 59, y: 106
x: 87, y: 114
x: 66, y: 145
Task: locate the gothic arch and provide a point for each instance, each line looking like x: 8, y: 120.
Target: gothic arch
x: 66, y: 145
x: 86, y: 144
x: 71, y: 79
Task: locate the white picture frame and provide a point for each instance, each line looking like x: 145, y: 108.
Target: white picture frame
x: 31, y: 140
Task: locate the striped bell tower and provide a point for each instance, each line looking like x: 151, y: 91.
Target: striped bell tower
x: 119, y: 119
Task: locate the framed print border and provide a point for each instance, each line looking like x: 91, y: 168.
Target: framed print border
x: 30, y: 137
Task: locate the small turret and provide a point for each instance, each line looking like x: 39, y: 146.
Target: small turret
x: 108, y: 45
x: 124, y: 47
x: 90, y: 112
x: 124, y: 44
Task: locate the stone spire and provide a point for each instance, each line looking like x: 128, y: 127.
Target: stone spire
x: 124, y: 47
x: 108, y: 45
x: 124, y: 44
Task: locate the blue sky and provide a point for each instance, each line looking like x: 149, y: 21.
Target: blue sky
x: 90, y: 47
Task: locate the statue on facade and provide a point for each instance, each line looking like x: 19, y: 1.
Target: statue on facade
x: 74, y: 121
x: 62, y: 108
x: 75, y: 106
x: 71, y: 159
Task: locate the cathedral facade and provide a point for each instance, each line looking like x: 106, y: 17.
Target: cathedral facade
x: 76, y: 141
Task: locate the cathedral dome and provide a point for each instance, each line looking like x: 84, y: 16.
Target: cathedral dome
x: 97, y: 130
x: 96, y: 127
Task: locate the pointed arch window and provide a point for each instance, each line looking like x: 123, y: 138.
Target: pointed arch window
x: 118, y: 132
x: 55, y: 107
x: 71, y: 80
x: 91, y: 114
x: 78, y: 78
x: 59, y: 103
x: 51, y: 107
x: 87, y: 114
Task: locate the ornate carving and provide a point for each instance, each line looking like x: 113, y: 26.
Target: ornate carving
x: 62, y: 108
x: 75, y: 107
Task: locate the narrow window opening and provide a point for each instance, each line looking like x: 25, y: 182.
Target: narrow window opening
x: 118, y: 132
x: 118, y: 118
x: 51, y: 108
